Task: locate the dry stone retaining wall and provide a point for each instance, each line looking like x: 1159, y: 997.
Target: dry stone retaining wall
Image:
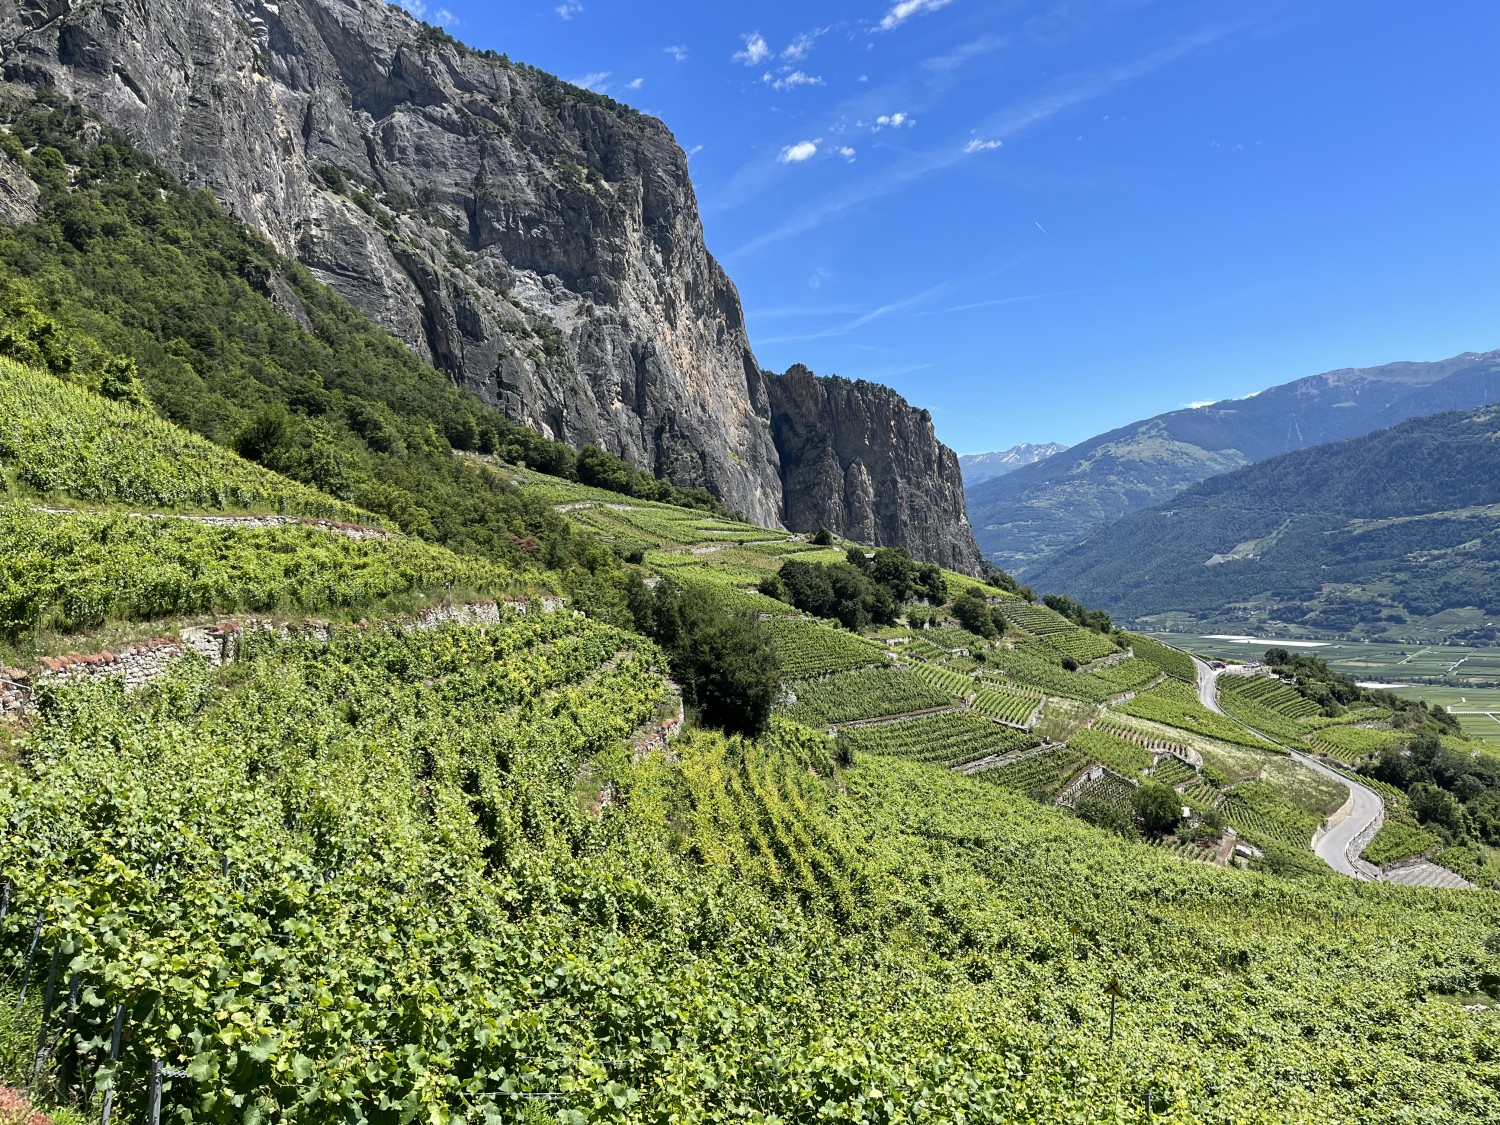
x: 139, y: 664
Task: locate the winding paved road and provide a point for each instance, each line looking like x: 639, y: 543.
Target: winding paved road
x: 1333, y: 847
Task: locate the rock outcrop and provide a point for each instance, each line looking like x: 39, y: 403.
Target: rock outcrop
x: 538, y: 243
x: 858, y: 459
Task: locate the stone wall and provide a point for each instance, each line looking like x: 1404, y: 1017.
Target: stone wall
x: 139, y: 664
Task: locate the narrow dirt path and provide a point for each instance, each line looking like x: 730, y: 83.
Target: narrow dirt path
x: 1332, y: 846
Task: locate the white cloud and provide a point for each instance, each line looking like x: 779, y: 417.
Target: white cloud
x: 568, y: 9
x: 1199, y: 405
x: 790, y: 81
x: 893, y: 121
x: 847, y: 153
x: 593, y: 81
x: 635, y: 84
x: 978, y: 145
x: 903, y: 11
x: 441, y: 17
x: 694, y: 151
x: 797, y: 153
x: 756, y: 51
x: 799, y: 47
x: 679, y: 54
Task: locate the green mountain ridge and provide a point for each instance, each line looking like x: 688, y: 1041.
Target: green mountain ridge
x: 1378, y: 532
x: 1042, y: 508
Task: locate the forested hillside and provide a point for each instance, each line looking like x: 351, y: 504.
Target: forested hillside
x: 1040, y: 509
x: 1385, y: 529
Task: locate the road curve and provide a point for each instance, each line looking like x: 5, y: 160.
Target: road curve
x: 1333, y: 847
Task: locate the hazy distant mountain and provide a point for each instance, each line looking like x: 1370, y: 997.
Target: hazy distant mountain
x: 980, y: 467
x: 1044, y: 507
x: 1395, y: 525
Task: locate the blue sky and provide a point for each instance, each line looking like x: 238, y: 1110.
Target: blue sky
x: 1041, y: 219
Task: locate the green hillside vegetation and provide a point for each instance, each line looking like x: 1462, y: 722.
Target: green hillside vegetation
x: 450, y: 885
x: 1044, y: 508
x: 1377, y: 534
x: 74, y: 571
x: 134, y: 286
x: 474, y: 873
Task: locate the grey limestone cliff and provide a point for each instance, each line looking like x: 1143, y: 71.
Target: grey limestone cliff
x: 538, y: 243
x: 535, y: 242
x: 857, y: 459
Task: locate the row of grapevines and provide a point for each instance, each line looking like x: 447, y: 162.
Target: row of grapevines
x: 810, y: 648
x: 77, y: 570
x: 1176, y: 704
x: 58, y: 439
x: 872, y: 693
x: 951, y: 738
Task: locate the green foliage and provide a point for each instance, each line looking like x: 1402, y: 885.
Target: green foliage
x: 1173, y: 662
x: 949, y: 738
x: 724, y: 658
x: 808, y: 648
x: 1095, y: 619
x: 59, y: 440
x: 1157, y: 807
x: 129, y: 265
x: 1176, y: 704
x: 873, y: 693
x: 976, y: 615
x: 72, y: 571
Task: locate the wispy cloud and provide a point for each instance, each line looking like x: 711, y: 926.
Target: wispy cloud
x: 901, y: 12
x: 892, y: 121
x: 1024, y: 114
x: 801, y: 45
x: 756, y: 51
x: 678, y: 53
x: 790, y: 80
x: 1198, y: 405
x: 595, y: 81
x: 635, y: 84
x: 694, y: 151
x: 442, y: 17
x: 848, y: 153
x: 568, y: 9
x: 864, y: 319
x: 800, y: 152
x: 978, y: 145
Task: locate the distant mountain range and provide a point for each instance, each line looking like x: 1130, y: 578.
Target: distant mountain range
x: 1044, y: 507
x: 1374, y: 533
x: 980, y: 467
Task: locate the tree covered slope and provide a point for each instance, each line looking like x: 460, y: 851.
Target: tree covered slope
x: 1402, y: 523
x: 1042, y: 508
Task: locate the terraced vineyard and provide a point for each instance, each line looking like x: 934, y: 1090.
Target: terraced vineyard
x: 1040, y: 776
x: 808, y: 648
x: 1083, y: 645
x: 1013, y: 705
x: 1118, y: 754
x: 1037, y: 620
x: 868, y: 694
x: 79, y: 570
x: 1126, y: 675
x: 58, y: 439
x: 951, y: 738
x: 1026, y: 667
x: 1176, y: 704
x: 1108, y: 789
x: 945, y: 680
x: 1173, y: 662
x: 1172, y: 771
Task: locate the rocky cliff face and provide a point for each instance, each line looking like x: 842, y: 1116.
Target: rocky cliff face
x: 538, y: 243
x: 857, y: 459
